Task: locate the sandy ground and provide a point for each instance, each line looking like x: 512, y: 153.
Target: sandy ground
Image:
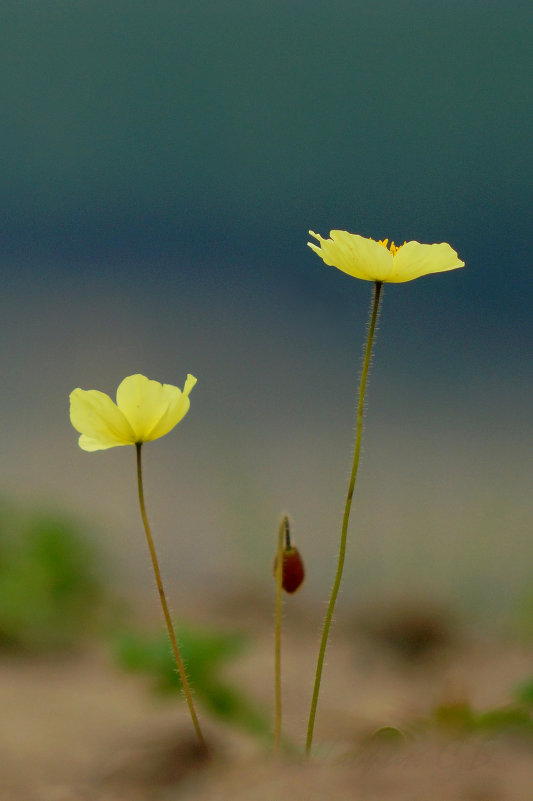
x: 79, y: 728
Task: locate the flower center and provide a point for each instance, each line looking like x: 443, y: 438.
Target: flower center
x: 392, y: 247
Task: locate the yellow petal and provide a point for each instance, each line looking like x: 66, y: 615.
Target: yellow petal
x: 178, y: 407
x: 355, y: 255
x: 89, y: 444
x: 143, y: 402
x: 98, y: 419
x: 152, y: 409
x: 414, y: 260
x: 190, y: 382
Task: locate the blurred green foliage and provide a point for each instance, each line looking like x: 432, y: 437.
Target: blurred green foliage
x: 524, y: 693
x: 51, y: 592
x: 53, y: 596
x: 461, y: 718
x: 204, y: 653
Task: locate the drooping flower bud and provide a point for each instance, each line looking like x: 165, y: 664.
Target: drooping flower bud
x: 293, y: 572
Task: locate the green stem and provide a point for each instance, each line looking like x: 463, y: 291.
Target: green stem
x: 166, y: 613
x: 344, y: 532
x: 284, y: 527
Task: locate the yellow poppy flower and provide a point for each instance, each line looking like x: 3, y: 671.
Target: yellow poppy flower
x: 378, y: 261
x: 145, y: 410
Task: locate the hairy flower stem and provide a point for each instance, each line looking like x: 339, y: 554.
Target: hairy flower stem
x: 166, y: 613
x: 283, y: 530
x: 344, y: 532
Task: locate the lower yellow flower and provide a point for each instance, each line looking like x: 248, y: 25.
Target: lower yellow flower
x: 376, y: 261
x: 145, y: 410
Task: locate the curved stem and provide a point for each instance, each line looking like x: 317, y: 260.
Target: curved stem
x: 284, y: 527
x: 344, y: 532
x: 166, y: 613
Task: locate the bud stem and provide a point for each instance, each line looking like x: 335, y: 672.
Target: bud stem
x: 344, y: 532
x: 283, y: 530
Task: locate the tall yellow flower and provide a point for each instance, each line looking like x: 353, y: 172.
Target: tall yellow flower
x: 145, y: 410
x: 379, y: 261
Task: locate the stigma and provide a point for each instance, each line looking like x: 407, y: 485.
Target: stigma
x: 392, y: 247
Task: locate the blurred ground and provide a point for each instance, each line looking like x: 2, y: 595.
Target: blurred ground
x: 78, y: 728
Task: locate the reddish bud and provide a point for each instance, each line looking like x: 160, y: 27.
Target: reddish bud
x: 293, y: 572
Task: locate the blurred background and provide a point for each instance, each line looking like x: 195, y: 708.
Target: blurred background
x: 161, y: 166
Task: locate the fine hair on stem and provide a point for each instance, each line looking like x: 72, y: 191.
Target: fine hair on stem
x: 374, y: 310
x: 166, y: 613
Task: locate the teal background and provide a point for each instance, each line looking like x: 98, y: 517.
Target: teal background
x: 161, y: 165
